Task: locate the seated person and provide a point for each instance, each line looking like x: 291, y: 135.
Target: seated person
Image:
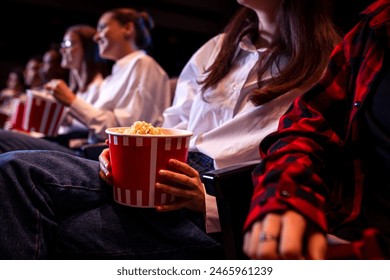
x: 326, y: 168
x: 51, y: 66
x: 138, y: 88
x: 32, y: 76
x: 86, y: 73
x: 15, y: 87
x: 231, y: 94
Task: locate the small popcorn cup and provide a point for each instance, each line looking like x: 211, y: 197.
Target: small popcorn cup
x: 136, y: 160
x: 42, y: 113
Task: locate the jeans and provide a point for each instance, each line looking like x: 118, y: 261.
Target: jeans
x: 54, y: 205
x: 200, y: 162
x: 12, y: 141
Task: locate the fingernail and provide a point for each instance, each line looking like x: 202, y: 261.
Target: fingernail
x: 162, y: 172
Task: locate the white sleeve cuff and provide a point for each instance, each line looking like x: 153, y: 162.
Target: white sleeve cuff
x: 211, y: 215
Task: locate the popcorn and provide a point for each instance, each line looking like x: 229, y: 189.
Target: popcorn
x: 141, y: 127
x: 137, y: 156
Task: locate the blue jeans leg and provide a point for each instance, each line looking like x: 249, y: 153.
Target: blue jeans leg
x: 12, y: 141
x: 53, y: 205
x: 39, y: 189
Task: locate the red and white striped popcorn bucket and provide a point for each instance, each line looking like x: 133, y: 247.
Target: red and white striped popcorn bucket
x: 42, y: 113
x: 136, y: 160
x: 16, y: 120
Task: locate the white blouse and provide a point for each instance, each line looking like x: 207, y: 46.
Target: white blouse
x: 227, y: 127
x: 137, y: 89
x: 90, y: 96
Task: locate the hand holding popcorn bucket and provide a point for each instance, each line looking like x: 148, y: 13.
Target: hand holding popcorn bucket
x: 42, y: 113
x: 136, y: 160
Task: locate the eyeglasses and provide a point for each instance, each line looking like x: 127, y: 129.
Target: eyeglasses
x: 66, y: 44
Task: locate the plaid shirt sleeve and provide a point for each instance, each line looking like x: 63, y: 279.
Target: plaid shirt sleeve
x: 310, y: 141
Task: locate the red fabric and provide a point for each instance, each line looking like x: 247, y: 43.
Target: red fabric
x: 368, y: 248
x: 317, y: 136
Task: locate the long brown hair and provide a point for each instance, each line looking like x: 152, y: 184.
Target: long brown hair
x: 307, y: 38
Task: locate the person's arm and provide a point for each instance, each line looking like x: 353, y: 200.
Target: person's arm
x: 80, y: 109
x: 287, y: 213
x: 143, y: 96
x: 303, y: 161
x: 212, y: 223
x: 61, y: 92
x: 105, y: 172
x: 96, y: 119
x: 283, y: 236
x: 184, y: 183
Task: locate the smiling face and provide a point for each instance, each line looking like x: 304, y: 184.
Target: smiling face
x: 112, y: 38
x: 72, y: 51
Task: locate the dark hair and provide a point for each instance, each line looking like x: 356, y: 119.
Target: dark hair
x: 18, y: 71
x: 307, y: 38
x: 54, y: 70
x: 143, y: 23
x: 94, y: 64
x: 36, y: 57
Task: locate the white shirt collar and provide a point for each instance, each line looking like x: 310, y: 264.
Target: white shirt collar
x: 123, y: 62
x: 247, y: 45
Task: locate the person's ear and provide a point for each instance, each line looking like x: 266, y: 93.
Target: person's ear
x: 129, y: 29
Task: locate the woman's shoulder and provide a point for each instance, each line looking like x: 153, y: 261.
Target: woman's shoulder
x: 214, y: 42
x: 145, y: 62
x: 137, y: 58
x: 210, y: 49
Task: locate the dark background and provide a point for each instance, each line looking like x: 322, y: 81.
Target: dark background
x: 28, y: 27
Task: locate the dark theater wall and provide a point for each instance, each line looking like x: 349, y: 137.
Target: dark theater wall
x: 28, y: 27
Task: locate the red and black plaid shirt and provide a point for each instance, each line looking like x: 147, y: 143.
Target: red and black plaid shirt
x: 312, y: 163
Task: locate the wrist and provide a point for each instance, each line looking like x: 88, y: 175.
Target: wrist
x: 71, y: 100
